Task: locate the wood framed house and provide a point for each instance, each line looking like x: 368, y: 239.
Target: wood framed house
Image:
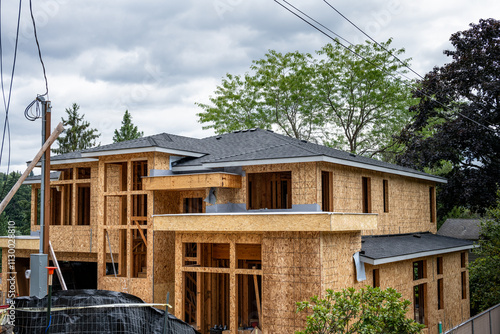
x: 238, y: 227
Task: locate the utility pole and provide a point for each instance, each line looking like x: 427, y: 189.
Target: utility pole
x: 39, y: 262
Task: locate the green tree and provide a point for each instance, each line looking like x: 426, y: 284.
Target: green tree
x: 128, y: 131
x: 365, y: 99
x: 77, y: 134
x: 19, y: 207
x: 455, y: 130
x: 368, y: 310
x: 484, y: 272
x: 336, y: 98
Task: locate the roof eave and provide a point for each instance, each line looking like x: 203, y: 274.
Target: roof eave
x: 316, y: 158
x: 143, y: 150
x: 412, y: 256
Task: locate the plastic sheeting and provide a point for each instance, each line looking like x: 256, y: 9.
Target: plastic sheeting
x: 68, y: 316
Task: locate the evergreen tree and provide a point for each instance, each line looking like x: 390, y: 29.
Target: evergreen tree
x: 19, y: 207
x: 77, y: 134
x: 128, y: 131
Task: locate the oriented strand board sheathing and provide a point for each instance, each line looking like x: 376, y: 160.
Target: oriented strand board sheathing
x: 164, y: 266
x: 292, y: 272
x: 409, y: 209
x: 399, y: 275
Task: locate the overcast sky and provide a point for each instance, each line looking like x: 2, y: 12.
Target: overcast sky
x: 157, y: 58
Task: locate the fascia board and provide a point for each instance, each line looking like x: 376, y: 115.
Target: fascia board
x: 190, y: 168
x: 413, y: 255
x: 143, y: 150
x: 68, y: 161
x: 326, y: 159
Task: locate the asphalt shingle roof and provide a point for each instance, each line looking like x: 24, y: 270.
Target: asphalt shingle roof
x: 239, y: 146
x: 381, y: 247
x: 461, y: 228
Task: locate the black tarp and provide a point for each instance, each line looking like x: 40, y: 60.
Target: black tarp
x: 133, y: 320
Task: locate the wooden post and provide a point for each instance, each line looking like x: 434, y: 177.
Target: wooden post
x: 46, y: 176
x: 257, y: 296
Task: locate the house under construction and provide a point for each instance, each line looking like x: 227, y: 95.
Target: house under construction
x: 238, y: 227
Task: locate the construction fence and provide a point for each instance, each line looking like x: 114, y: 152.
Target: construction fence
x: 487, y: 322
x: 91, y: 311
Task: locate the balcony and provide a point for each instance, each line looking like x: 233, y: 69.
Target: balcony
x: 192, y: 181
x: 266, y: 222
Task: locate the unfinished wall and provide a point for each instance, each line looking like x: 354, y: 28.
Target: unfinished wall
x: 408, y: 198
x: 399, y: 275
x: 292, y: 272
x: 164, y: 267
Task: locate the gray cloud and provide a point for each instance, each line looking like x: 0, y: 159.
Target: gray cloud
x: 157, y: 59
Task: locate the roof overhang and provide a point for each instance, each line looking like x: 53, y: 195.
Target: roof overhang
x: 323, y: 158
x: 142, y: 150
x: 414, y: 255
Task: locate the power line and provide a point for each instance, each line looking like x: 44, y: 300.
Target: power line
x: 367, y: 60
x: 373, y: 40
x: 6, y: 102
x: 39, y: 51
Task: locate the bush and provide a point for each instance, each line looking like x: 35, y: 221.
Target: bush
x: 368, y: 310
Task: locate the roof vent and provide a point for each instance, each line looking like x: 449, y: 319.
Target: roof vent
x: 304, y: 141
x: 253, y: 129
x: 246, y: 130
x: 236, y: 131
x: 270, y: 130
x: 218, y: 137
x: 352, y: 154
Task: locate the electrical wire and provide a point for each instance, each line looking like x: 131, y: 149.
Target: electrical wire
x: 373, y: 40
x: 6, y: 102
x: 39, y: 52
x: 367, y: 60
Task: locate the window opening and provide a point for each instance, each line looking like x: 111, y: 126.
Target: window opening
x: 440, y: 294
x: 83, y: 204
x: 140, y: 209
x: 367, y: 200
x: 193, y: 205
x: 139, y: 170
x: 139, y: 252
x: 83, y: 173
x: 61, y: 204
x: 115, y: 259
x: 464, y: 284
x: 376, y: 278
x: 270, y: 190
x: 463, y: 263
x: 419, y: 292
x: 385, y: 189
x: 432, y: 204
x: 439, y: 265
x: 419, y: 270
x: 326, y: 192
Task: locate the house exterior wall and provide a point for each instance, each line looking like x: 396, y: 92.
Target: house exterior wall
x: 295, y: 265
x: 399, y: 276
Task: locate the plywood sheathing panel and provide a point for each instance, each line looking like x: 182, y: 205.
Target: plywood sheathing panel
x: 164, y: 267
x: 408, y: 198
x: 399, y: 275
x: 291, y: 272
x: 74, y: 238
x: 261, y: 222
x: 192, y: 181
